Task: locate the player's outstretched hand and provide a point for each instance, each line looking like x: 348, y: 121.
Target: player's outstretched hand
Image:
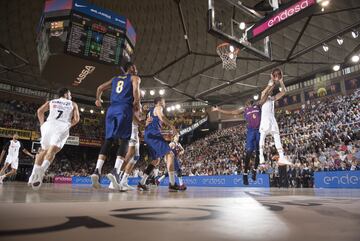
x: 98, y: 102
x: 215, y: 109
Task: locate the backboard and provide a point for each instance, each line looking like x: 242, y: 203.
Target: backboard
x: 229, y: 20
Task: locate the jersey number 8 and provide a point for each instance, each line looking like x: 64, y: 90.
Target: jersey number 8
x: 119, y: 86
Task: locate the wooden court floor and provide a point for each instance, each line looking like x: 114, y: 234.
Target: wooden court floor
x: 72, y: 213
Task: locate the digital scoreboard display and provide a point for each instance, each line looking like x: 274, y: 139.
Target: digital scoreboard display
x: 95, y: 40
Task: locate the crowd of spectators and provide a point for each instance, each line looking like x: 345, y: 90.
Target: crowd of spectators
x: 321, y: 136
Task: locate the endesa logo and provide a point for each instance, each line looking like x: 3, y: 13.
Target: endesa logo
x: 289, y: 12
x: 342, y: 180
x: 85, y: 72
x: 282, y: 16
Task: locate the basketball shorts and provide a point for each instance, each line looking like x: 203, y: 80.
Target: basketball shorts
x: 118, y: 122
x: 269, y: 125
x: 13, y: 161
x: 54, y: 133
x: 157, y: 145
x: 252, y: 139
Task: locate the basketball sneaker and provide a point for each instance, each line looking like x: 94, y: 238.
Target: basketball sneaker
x: 114, y: 178
x: 95, y: 179
x: 129, y: 188
x: 141, y: 187
x: 37, y: 179
x: 182, y: 187
x: 173, y: 188
x: 284, y: 161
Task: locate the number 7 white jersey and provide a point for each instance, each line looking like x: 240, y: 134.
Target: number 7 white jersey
x: 61, y: 109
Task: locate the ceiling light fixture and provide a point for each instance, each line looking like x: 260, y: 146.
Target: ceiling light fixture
x: 336, y: 67
x: 325, y: 47
x: 340, y: 40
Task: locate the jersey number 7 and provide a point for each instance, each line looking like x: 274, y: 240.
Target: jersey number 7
x: 60, y: 114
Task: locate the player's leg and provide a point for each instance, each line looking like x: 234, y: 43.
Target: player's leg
x: 5, y: 167
x: 114, y: 176
x: 149, y: 169
x: 262, y: 146
x: 132, y: 156
x: 257, y: 154
x: 169, y: 159
x: 278, y: 145
x: 48, y: 159
x: 282, y: 159
x: 110, y: 127
x: 182, y: 186
x: 3, y: 171
x: 38, y: 162
x: 160, y: 179
x: 249, y: 148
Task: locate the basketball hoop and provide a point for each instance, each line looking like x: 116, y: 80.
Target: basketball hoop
x: 228, y: 54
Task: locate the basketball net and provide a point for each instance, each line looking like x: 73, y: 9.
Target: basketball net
x: 228, y: 55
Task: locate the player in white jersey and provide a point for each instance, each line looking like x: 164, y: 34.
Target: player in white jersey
x: 63, y: 114
x: 132, y: 156
x: 268, y: 123
x: 12, y: 159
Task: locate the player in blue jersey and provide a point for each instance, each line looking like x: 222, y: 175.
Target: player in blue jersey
x: 124, y: 99
x: 157, y: 146
x: 252, y: 115
x: 178, y: 150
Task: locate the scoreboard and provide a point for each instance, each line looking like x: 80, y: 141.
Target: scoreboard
x: 80, y: 45
x: 95, y: 41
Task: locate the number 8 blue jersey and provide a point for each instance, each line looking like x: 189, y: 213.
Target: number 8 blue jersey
x: 122, y: 90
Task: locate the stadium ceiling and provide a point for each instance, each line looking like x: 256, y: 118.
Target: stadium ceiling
x: 188, y: 67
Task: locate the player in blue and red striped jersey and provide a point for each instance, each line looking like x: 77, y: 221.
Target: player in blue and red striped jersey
x: 252, y: 115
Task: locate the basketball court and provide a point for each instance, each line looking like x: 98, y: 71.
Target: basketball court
x: 59, y: 212
x: 214, y: 52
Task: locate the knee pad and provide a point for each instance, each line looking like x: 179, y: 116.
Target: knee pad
x: 122, y: 147
x: 106, y: 146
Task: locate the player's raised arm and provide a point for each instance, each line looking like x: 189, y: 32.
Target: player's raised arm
x: 76, y: 115
x: 279, y: 95
x: 162, y: 117
x: 41, y: 112
x: 100, y: 90
x: 229, y: 112
x: 136, y: 91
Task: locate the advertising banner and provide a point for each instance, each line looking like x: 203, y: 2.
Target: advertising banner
x: 62, y: 180
x: 337, y: 179
x: 263, y: 180
x: 8, y: 133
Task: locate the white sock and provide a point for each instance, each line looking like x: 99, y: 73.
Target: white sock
x: 99, y: 165
x: 172, y: 178
x: 124, y: 178
x: 45, y: 165
x: 118, y: 164
x: 181, y: 181
x: 161, y: 178
x: 143, y: 179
